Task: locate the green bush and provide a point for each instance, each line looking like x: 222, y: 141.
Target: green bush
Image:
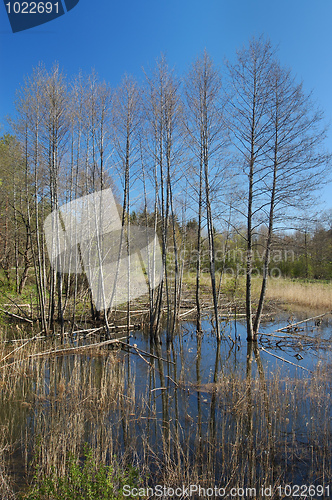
x: 89, y: 480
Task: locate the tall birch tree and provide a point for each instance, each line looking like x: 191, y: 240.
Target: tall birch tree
x: 162, y: 112
x: 278, y: 135
x: 205, y: 129
x: 250, y: 128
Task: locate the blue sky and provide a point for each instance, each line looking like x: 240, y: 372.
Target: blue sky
x: 117, y: 37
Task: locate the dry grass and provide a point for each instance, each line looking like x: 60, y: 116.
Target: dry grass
x: 6, y: 490
x: 317, y: 296
x: 306, y: 295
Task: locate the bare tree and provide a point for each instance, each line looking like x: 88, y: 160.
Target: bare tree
x: 162, y: 109
x: 297, y: 164
x: 97, y: 112
x: 250, y: 128
x: 54, y: 139
x: 277, y: 134
x: 42, y: 126
x: 28, y: 129
x: 126, y: 124
x: 204, y: 125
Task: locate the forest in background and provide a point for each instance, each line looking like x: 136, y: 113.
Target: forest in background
x: 224, y: 163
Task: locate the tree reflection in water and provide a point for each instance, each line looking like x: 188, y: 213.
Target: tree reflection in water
x: 190, y: 412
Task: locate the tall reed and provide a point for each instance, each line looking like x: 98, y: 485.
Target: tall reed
x: 241, y: 428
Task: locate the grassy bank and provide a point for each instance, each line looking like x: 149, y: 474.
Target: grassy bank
x: 315, y: 295
x: 312, y: 295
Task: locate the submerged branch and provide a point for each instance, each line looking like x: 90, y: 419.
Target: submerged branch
x: 285, y: 360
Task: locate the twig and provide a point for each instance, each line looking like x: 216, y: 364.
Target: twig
x: 151, y: 365
x: 17, y: 349
x: 89, y: 346
x: 230, y: 338
x: 145, y: 352
x: 140, y: 355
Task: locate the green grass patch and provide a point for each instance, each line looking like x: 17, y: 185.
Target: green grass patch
x: 85, y: 479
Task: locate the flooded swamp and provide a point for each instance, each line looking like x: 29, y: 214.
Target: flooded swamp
x: 251, y: 418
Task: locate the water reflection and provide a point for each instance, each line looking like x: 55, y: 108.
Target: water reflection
x: 192, y: 410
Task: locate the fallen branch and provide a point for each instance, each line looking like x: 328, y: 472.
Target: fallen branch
x: 289, y: 327
x: 19, y: 306
x: 134, y: 311
x: 60, y: 351
x: 17, y: 317
x: 145, y: 352
x: 89, y: 331
x: 18, y: 348
x: 223, y: 316
x: 278, y: 336
x: 65, y: 334
x: 182, y: 315
x: 285, y: 360
x: 124, y: 327
x: 67, y: 349
x: 12, y: 341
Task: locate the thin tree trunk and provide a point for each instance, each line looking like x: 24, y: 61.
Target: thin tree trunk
x: 250, y: 332
x: 269, y: 240
x: 198, y: 263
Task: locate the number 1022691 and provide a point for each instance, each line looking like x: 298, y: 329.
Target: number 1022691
x: 303, y: 491
x: 32, y: 7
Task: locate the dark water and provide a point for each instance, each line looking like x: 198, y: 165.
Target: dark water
x: 200, y: 365
x: 309, y: 345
